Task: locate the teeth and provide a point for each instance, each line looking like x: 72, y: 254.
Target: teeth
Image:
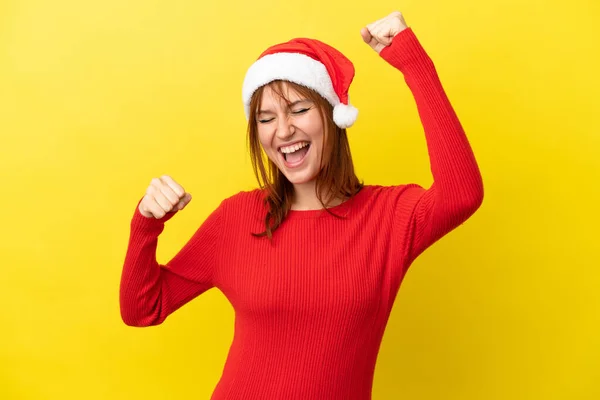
x: 293, y: 148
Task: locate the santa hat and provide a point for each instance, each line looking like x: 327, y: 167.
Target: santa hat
x: 310, y: 63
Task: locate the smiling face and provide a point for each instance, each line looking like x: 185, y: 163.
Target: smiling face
x: 297, y: 121
x: 291, y: 132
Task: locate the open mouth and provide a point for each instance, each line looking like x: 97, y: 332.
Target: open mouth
x: 295, y: 153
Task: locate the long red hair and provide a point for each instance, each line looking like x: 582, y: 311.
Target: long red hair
x: 336, y: 180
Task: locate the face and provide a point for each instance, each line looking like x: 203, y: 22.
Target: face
x: 291, y: 135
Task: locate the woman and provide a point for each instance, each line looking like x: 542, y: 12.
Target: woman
x: 312, y: 261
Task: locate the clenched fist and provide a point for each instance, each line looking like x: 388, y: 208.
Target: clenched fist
x: 380, y: 33
x: 162, y: 196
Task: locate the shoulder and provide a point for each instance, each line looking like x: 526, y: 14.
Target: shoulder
x: 245, y: 202
x: 376, y: 194
x: 384, y: 202
x: 245, y: 197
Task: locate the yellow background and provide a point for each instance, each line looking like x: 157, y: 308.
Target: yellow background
x: 98, y: 97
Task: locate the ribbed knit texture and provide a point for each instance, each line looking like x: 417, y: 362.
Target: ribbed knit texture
x: 311, y: 305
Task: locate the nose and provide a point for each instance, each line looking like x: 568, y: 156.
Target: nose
x: 285, y: 129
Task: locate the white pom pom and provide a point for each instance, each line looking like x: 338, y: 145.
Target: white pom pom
x: 344, y: 115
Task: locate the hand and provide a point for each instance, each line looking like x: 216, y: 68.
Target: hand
x: 162, y: 196
x: 379, y: 34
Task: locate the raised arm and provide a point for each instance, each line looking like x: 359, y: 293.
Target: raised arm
x: 424, y: 216
x: 149, y: 291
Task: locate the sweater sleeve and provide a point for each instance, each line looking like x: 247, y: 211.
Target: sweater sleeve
x: 149, y: 291
x: 422, y: 216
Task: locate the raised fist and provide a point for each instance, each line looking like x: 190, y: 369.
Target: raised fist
x: 380, y: 33
x: 164, y: 195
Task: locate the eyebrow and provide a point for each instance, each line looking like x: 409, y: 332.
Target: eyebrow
x: 290, y: 105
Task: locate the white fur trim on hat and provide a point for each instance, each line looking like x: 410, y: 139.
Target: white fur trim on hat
x: 300, y: 69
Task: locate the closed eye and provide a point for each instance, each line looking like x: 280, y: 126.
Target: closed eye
x: 297, y: 112
x: 301, y: 111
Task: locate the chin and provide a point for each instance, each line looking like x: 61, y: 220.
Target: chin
x: 299, y: 178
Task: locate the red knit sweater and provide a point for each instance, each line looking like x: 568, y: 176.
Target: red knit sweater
x: 312, y: 305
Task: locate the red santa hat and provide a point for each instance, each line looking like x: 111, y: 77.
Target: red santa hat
x: 310, y: 63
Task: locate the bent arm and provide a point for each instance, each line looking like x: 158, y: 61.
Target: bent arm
x: 149, y: 291
x: 424, y: 216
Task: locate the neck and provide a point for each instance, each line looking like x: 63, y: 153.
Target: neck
x: 305, y: 197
